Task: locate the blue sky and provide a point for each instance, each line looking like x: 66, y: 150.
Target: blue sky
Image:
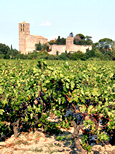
x: 52, y: 18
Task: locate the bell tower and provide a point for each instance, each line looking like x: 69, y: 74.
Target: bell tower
x: 69, y: 42
x: 24, y: 31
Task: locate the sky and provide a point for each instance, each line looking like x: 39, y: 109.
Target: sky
x: 53, y: 18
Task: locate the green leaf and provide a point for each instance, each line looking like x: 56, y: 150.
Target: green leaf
x: 39, y: 125
x: 31, y: 115
x: 1, y: 90
x: 72, y: 85
x: 1, y: 111
x: 59, y: 100
x: 67, y: 85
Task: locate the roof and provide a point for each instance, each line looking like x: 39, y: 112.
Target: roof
x: 23, y: 22
x: 41, y: 37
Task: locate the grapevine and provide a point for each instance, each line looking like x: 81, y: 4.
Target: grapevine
x: 82, y: 94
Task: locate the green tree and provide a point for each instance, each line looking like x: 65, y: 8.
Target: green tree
x: 109, y: 55
x: 90, y: 53
x: 11, y: 48
x: 42, y: 47
x: 113, y: 54
x: 95, y: 45
x: 4, y: 49
x: 13, y: 53
x: 80, y: 39
x: 77, y: 55
x: 81, y: 36
x: 88, y: 40
x: 38, y: 46
x: 63, y: 56
x: 105, y: 43
x: 113, y: 45
x: 60, y: 41
x: 99, y: 54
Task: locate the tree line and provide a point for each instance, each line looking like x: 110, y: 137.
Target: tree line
x: 104, y: 49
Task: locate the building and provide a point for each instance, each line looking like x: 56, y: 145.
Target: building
x: 26, y: 41
x: 69, y: 47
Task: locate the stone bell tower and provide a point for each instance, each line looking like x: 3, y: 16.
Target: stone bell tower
x: 69, y: 43
x: 24, y: 31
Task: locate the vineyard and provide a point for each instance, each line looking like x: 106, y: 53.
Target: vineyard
x: 79, y: 94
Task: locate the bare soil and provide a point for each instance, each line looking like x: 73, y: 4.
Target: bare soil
x: 40, y: 143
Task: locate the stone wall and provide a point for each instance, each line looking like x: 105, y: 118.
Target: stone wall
x: 31, y: 40
x: 75, y: 48
x: 69, y: 47
x: 59, y: 48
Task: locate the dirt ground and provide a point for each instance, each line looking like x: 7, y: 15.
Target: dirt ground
x: 40, y: 143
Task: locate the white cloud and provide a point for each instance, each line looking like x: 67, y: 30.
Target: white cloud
x: 46, y: 23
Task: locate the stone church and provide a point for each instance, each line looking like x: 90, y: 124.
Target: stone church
x: 27, y: 42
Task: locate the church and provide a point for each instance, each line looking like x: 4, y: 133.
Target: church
x: 27, y: 42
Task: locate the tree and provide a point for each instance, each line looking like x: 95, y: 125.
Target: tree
x: 4, y: 49
x: 60, y: 41
x: 77, y: 55
x: 105, y: 43
x: 11, y: 48
x: 1, y: 55
x: 99, y: 54
x: 63, y: 57
x: 63, y: 41
x: 88, y: 40
x: 81, y: 36
x: 94, y: 53
x: 96, y: 45
x: 51, y: 42
x: 113, y: 45
x: 90, y: 53
x: 13, y: 53
x: 80, y: 39
x: 113, y: 54
x: 38, y: 46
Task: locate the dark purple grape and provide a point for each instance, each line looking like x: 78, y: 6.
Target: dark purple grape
x: 77, y: 107
x: 92, y: 139
x: 78, y: 118
x: 69, y: 113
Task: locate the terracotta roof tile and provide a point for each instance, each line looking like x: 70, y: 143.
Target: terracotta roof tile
x: 40, y: 37
x: 23, y: 22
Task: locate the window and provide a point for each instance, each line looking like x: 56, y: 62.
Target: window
x: 22, y: 27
